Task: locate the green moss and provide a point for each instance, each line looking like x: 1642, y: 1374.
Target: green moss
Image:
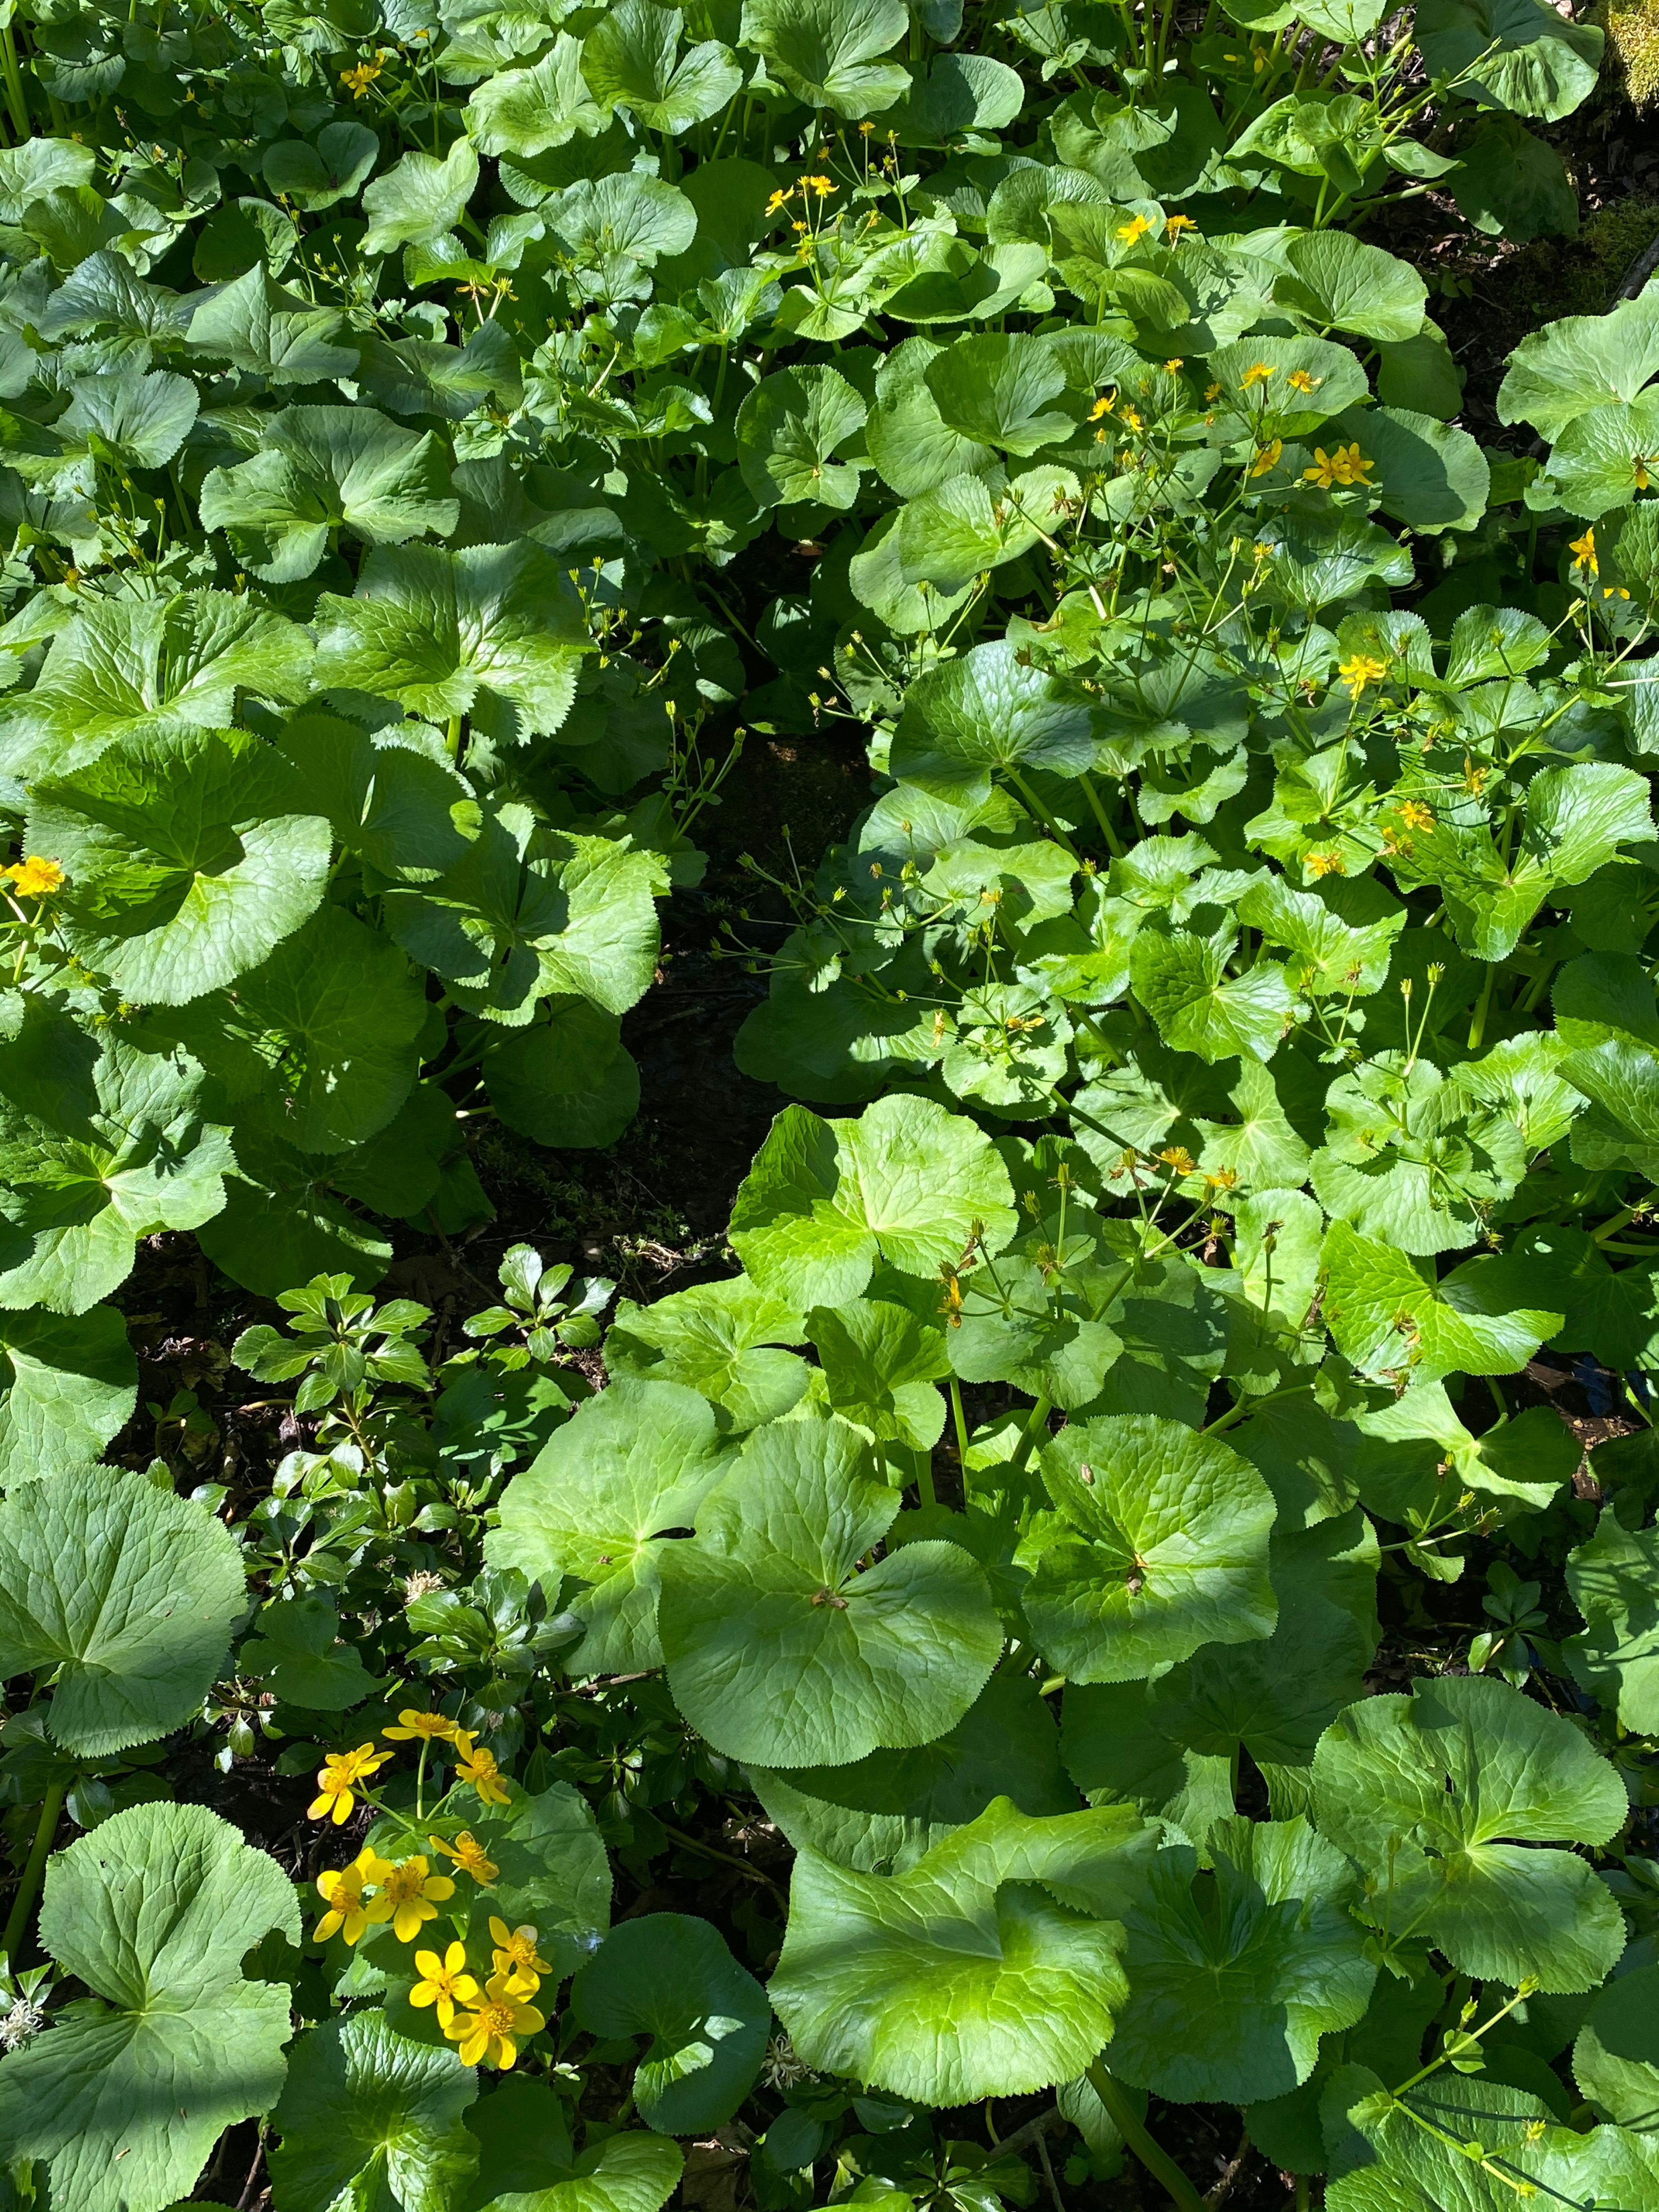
x: 1633, y: 41
x: 1578, y: 277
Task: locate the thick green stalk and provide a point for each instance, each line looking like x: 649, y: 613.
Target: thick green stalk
x: 17, y: 104
x: 1151, y: 2154
x: 29, y: 1887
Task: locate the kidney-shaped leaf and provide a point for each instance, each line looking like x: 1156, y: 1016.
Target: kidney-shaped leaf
x: 368, y: 2117
x: 189, y: 857
x: 1442, y: 1796
x: 130, y: 1594
x: 636, y: 1461
x: 987, y: 709
x: 673, y: 1978
x: 1162, y: 1546
x: 1235, y: 1974
x: 992, y: 1967
x: 770, y: 1597
x: 128, y: 2094
x: 908, y: 1182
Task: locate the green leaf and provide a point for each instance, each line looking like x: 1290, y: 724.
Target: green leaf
x: 827, y: 51
x: 433, y: 630
x: 322, y: 469
x: 990, y: 708
x: 907, y: 1183
x: 555, y: 1872
x: 880, y: 1364
x: 1431, y: 476
x: 155, y: 667
x: 1520, y: 54
x: 1615, y: 2060
x: 965, y: 527
x: 527, y: 111
x: 529, y: 912
x: 568, y: 1081
x: 718, y: 1339
x: 255, y: 326
x: 97, y: 1149
x: 992, y: 1967
x: 314, y: 177
x: 1340, y: 283
x: 1235, y: 1974
x: 1392, y: 1322
x: 1169, y: 1745
x: 882, y: 1812
x: 419, y: 198
x: 370, y: 2118
x: 300, y: 1656
x: 771, y: 1591
x: 1443, y: 1797
x: 39, y: 165
x: 126, y: 2096
x: 1181, y: 979
x: 1410, y: 1159
x: 526, y: 2162
x: 1475, y: 2143
x: 128, y: 1593
x: 67, y: 1386
x: 1510, y: 183
x: 1161, y: 1547
x: 636, y: 1461
x: 1601, y: 459
x: 673, y: 1978
x: 1614, y: 1583
x: 628, y: 59
x: 189, y: 857
x: 789, y: 428
x: 1585, y: 361
x: 999, y: 391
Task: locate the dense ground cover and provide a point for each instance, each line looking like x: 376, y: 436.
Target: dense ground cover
x: 1090, y: 1659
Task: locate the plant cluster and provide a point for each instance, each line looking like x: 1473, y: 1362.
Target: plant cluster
x: 1240, y: 1001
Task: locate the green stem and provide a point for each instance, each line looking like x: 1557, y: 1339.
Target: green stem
x: 16, y: 98
x: 1151, y: 2154
x: 28, y: 1888
x: 959, y: 1416
x: 1042, y: 814
x: 925, y: 1479
x: 1114, y: 842
x: 1037, y: 1426
x: 453, y: 737
x: 1478, y: 1026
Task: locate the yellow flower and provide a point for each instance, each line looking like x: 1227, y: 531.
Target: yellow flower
x: 1172, y: 366
x: 444, y: 1982
x: 1359, y: 670
x: 1640, y: 464
x: 1103, y: 406
x: 1416, y: 816
x: 479, y: 1768
x: 515, y: 1955
x: 339, y: 1770
x: 32, y: 878
x: 421, y: 1728
x: 1258, y: 373
x: 1266, y: 456
x: 779, y: 199
x: 1346, y: 465
x: 409, y: 1896
x: 1584, y: 553
x: 1178, y: 1157
x: 469, y: 1854
x: 357, y: 81
x: 822, y: 186
x: 340, y: 1889
x: 1131, y: 418
x: 492, y: 2033
x: 1211, y: 392
x: 1175, y: 224
x: 1325, y: 864
x: 1299, y: 380
x: 1136, y: 228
